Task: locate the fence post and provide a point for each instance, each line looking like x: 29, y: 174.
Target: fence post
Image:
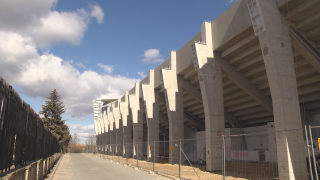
x: 112, y: 153
x: 224, y: 157
x: 314, y: 158
x: 127, y: 153
x: 137, y: 154
x: 179, y: 158
x: 118, y: 154
x: 154, y: 155
x: 308, y: 150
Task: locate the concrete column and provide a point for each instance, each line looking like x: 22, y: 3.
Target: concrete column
x: 210, y: 79
x: 102, y: 134
x: 126, y: 124
x: 151, y: 101
x: 106, y: 134
x: 112, y: 131
x: 99, y: 135
x: 173, y: 88
x: 137, y: 119
x: 118, y: 126
x: 97, y: 132
x: 272, y: 28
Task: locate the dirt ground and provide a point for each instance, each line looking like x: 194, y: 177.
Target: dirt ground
x: 234, y: 170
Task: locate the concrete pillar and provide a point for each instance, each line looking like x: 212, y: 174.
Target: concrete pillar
x: 102, y: 134
x: 118, y: 126
x: 272, y: 28
x: 173, y: 88
x: 137, y: 119
x: 106, y: 134
x: 99, y: 135
x: 112, y: 131
x: 151, y: 102
x: 210, y: 79
x: 126, y: 124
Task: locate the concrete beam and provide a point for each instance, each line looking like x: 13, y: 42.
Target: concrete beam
x: 210, y: 80
x: 112, y: 131
x: 277, y: 53
x: 240, y: 46
x: 245, y: 84
x: 164, y: 118
x: 309, y: 22
x: 118, y: 127
x: 196, y: 94
x: 136, y: 108
x: 312, y: 106
x: 173, y: 88
x: 199, y: 125
x: 306, y: 49
x: 126, y: 124
x: 150, y: 96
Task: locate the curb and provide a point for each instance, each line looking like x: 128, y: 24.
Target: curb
x: 52, y: 174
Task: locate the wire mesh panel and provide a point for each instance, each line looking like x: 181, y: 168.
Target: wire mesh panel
x: 313, y: 134
x: 121, y: 158
x: 164, y: 166
x: 251, y: 156
x: 143, y: 159
x: 130, y: 160
x: 195, y: 155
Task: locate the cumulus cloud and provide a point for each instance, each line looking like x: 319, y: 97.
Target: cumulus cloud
x: 20, y: 15
x: 38, y: 75
x: 82, y: 131
x: 26, y: 26
x: 107, y: 68
x: 97, y: 12
x: 142, y: 74
x: 152, y: 56
x: 37, y: 19
x: 61, y: 27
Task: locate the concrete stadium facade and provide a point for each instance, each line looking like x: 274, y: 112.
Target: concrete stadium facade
x: 239, y: 74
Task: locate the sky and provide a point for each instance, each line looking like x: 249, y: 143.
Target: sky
x: 88, y: 49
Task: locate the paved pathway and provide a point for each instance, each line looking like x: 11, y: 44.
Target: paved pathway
x: 87, y: 167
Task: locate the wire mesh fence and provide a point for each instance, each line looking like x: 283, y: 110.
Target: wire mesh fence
x: 239, y: 154
x: 143, y: 157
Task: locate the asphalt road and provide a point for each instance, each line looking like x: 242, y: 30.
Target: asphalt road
x: 87, y: 167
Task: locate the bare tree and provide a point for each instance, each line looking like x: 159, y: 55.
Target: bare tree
x: 75, y: 142
x: 91, y: 143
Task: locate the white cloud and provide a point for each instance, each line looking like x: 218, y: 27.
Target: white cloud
x: 38, y: 20
x: 142, y: 74
x: 229, y: 2
x: 21, y: 15
x: 107, y: 68
x: 82, y: 131
x: 80, y: 65
x: 61, y: 27
x: 27, y: 25
x: 38, y: 75
x: 97, y: 12
x: 152, y: 56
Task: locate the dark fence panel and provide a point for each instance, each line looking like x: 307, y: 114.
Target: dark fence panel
x: 23, y: 136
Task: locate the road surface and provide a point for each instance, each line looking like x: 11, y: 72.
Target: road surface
x: 87, y: 167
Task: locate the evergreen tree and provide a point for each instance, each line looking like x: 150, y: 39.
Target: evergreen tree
x: 52, y: 111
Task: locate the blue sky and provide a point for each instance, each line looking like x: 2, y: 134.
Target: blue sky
x: 88, y: 49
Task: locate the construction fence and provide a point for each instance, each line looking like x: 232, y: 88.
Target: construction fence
x: 233, y: 156
x: 23, y: 136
